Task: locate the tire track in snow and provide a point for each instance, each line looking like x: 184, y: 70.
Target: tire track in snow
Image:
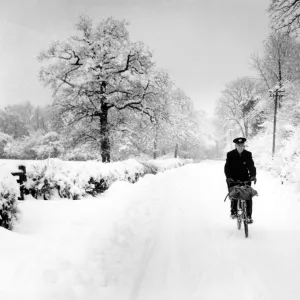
x: 148, y: 252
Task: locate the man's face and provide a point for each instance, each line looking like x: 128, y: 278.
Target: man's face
x: 240, y: 147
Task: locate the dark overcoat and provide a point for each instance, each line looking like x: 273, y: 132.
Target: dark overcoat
x: 239, y: 166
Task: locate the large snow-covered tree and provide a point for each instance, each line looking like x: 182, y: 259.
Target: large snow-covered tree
x: 97, y: 71
x: 184, y: 122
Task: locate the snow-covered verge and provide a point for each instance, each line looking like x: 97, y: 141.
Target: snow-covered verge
x: 286, y: 162
x: 70, y: 179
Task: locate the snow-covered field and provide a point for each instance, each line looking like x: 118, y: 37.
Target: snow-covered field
x: 168, y: 236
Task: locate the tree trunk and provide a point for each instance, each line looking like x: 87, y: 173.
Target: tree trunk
x: 154, y: 149
x: 246, y: 130
x: 155, y: 144
x: 176, y: 151
x: 104, y: 132
x: 241, y: 127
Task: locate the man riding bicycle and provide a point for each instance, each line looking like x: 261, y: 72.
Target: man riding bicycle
x: 240, y: 166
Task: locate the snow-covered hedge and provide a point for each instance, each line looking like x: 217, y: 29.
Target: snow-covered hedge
x: 9, y: 189
x: 69, y: 179
x: 74, y: 179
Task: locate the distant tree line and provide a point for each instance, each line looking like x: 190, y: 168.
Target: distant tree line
x: 33, y: 132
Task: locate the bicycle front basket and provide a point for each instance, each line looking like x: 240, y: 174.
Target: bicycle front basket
x: 242, y: 192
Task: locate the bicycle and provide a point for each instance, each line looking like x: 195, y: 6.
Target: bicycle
x: 238, y: 192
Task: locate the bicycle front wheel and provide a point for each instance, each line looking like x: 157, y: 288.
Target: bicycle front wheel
x: 239, y: 222
x: 246, y: 227
x: 244, y: 217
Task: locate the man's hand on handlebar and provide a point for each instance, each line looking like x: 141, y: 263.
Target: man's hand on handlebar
x: 229, y: 180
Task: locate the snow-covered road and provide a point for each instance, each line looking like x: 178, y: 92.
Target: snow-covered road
x: 168, y: 236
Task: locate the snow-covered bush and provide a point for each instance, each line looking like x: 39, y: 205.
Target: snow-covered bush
x: 9, y: 189
x: 150, y: 168
x: 81, y: 152
x: 286, y: 161
x: 166, y: 164
x: 49, y: 145
x: 289, y: 156
x: 38, y: 145
x: 4, y: 139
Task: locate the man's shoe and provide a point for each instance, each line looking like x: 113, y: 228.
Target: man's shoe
x: 249, y: 220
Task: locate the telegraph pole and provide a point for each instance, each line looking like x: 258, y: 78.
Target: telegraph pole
x: 276, y: 94
x: 274, y: 122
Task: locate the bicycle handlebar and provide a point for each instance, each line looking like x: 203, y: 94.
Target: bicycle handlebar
x: 240, y: 181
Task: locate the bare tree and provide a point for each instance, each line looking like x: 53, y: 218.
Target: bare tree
x: 285, y: 15
x: 237, y: 100
x: 280, y: 62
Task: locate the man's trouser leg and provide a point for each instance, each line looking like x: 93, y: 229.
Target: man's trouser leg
x: 249, y: 205
x: 233, y: 207
x: 249, y: 208
x: 233, y: 204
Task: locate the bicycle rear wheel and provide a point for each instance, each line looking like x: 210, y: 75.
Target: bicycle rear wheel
x: 246, y: 227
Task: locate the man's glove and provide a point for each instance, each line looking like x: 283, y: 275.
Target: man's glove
x: 229, y: 180
x: 253, y: 178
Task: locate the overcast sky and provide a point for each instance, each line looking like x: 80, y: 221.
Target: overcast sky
x: 203, y: 44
